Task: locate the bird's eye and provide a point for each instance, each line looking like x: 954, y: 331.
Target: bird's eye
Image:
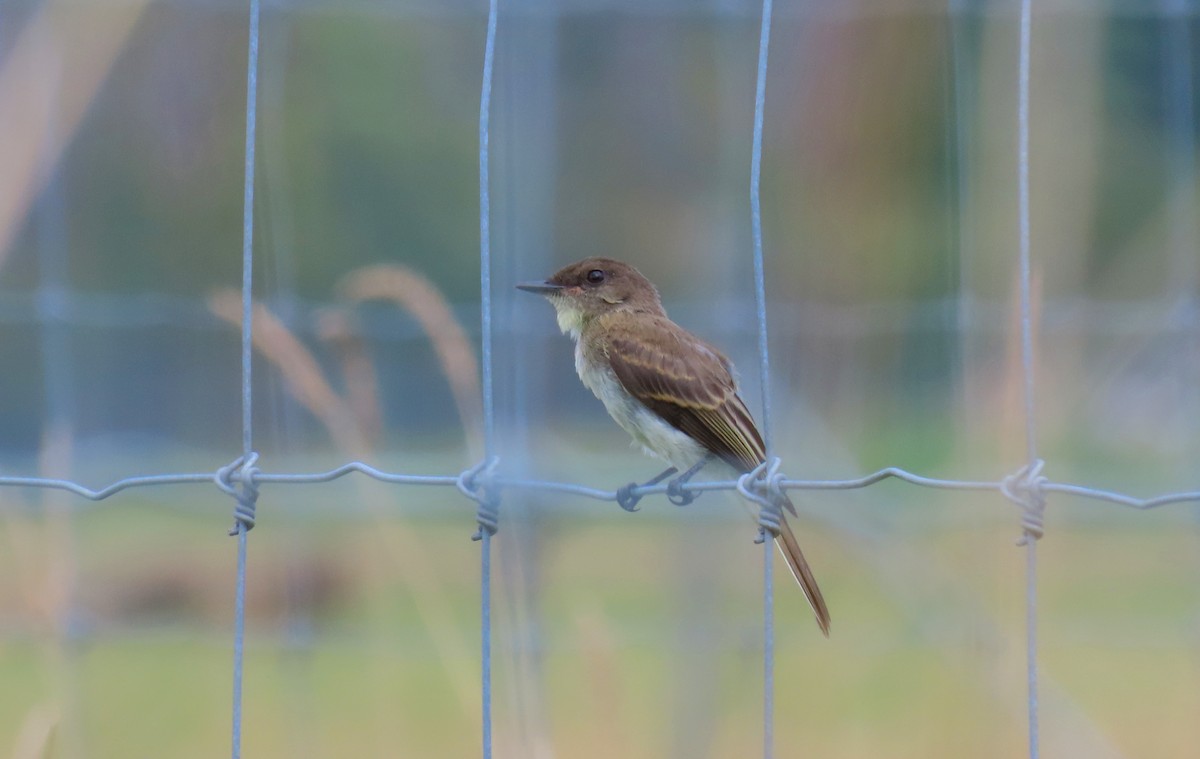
x: 595, y: 276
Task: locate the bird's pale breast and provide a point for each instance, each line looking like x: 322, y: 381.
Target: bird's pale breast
x: 656, y: 437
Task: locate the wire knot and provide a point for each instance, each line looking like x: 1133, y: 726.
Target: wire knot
x: 245, y: 473
x: 476, y: 484
x: 764, y: 485
x: 1024, y: 488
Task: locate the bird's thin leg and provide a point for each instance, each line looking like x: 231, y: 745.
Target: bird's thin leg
x: 628, y: 500
x: 675, y: 492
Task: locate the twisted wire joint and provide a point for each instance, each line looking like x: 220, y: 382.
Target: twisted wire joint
x: 476, y: 484
x: 1024, y: 487
x: 764, y: 485
x: 245, y: 492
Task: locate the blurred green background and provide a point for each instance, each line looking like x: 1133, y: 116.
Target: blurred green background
x: 619, y: 128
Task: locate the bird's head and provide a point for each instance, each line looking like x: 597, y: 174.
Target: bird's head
x: 593, y: 287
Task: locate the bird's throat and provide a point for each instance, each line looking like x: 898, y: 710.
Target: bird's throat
x: 571, y: 319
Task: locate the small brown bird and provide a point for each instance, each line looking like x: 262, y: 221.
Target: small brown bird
x: 673, y: 392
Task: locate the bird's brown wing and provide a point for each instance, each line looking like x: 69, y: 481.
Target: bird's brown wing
x: 690, y: 385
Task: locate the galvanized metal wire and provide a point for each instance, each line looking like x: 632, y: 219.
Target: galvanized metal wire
x: 504, y: 485
x: 246, y: 495
x: 484, y: 485
x: 768, y: 507
x: 1028, y: 486
x: 477, y: 486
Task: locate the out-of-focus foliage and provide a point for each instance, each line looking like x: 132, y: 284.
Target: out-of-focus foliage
x: 621, y: 129
x: 888, y: 187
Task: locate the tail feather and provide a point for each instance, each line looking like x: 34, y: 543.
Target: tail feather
x: 790, y: 548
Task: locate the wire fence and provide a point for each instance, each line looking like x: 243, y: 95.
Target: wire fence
x: 487, y: 485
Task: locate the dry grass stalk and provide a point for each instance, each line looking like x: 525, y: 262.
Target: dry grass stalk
x: 601, y: 663
x: 456, y: 355
x: 35, y: 739
x: 1012, y: 405
x: 301, y: 372
x: 57, y: 601
x: 49, y: 76
x: 339, y: 328
x: 54, y: 460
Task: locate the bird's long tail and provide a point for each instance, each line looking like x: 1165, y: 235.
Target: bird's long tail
x: 790, y: 548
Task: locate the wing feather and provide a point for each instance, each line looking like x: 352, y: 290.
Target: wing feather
x: 691, y: 385
x: 688, y: 383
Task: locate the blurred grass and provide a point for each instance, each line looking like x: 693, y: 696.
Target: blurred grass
x: 616, y: 635
x: 636, y: 617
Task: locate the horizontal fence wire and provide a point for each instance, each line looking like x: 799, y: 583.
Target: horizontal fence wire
x: 1062, y: 314
x: 501, y: 483
x: 481, y: 484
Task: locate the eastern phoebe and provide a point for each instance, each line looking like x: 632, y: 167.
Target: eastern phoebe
x: 673, y: 392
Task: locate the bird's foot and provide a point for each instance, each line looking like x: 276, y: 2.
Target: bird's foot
x: 677, y: 495
x: 627, y: 499
x: 675, y: 492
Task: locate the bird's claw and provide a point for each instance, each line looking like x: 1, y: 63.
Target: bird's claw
x: 627, y: 499
x: 677, y: 495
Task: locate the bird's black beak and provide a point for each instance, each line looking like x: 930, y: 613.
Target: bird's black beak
x: 541, y: 288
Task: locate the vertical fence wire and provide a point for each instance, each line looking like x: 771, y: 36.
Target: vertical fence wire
x: 239, y: 634
x: 764, y: 361
x: 1180, y: 154
x: 485, y: 225
x: 768, y: 647
x: 1181, y: 91
x: 1027, y: 356
x: 959, y: 96
x: 59, y: 415
x: 1023, y: 223
x: 1180, y: 100
x: 489, y: 415
x: 760, y: 287
x: 242, y: 527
